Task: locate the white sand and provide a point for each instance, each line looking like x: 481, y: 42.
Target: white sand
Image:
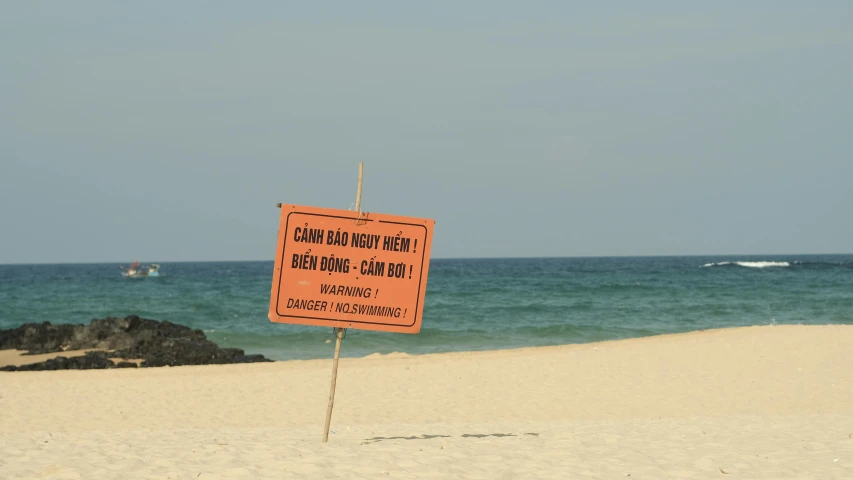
x: 758, y: 402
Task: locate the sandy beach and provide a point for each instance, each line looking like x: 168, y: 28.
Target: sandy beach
x: 754, y: 402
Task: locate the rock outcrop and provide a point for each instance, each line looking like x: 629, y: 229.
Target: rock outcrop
x: 157, y: 343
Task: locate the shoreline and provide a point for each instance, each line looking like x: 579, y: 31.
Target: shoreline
x: 8, y: 356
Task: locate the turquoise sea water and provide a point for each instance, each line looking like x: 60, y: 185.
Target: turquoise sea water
x: 471, y: 304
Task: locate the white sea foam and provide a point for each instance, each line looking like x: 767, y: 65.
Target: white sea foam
x: 750, y: 264
x: 763, y: 264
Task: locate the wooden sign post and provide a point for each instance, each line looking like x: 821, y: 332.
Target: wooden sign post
x: 339, y: 332
x: 350, y: 269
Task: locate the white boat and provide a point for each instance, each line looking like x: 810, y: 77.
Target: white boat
x: 137, y: 271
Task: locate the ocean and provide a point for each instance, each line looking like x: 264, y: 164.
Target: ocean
x: 471, y: 304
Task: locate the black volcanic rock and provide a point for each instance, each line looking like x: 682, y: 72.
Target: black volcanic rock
x: 38, y: 338
x: 156, y: 343
x: 91, y: 360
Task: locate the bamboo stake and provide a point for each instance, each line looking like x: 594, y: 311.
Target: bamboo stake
x: 339, y: 332
x: 358, y: 192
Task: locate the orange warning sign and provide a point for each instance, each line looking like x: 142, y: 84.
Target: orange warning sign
x: 339, y: 268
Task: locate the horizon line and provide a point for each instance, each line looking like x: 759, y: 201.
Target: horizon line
x: 460, y: 258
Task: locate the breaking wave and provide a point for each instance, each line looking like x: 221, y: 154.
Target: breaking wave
x: 749, y: 264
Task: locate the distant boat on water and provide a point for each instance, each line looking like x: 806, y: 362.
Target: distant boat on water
x: 138, y: 271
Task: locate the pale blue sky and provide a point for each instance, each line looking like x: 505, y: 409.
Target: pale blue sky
x: 167, y: 131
